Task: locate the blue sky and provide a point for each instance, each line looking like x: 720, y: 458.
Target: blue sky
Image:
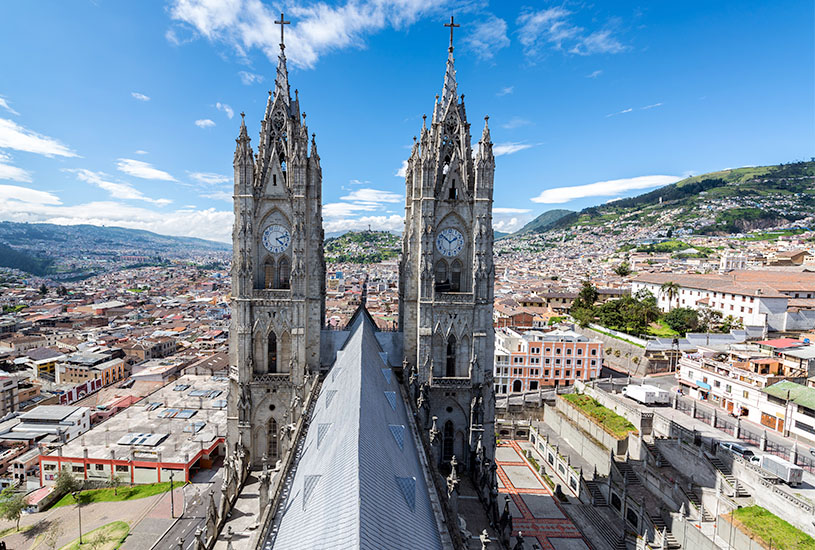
x: 125, y: 113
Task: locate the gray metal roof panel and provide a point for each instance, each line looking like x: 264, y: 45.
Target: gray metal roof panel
x: 361, y: 500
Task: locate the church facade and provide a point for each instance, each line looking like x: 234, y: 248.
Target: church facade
x: 431, y: 387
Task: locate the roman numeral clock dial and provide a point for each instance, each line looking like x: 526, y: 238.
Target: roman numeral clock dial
x: 449, y: 242
x: 276, y: 239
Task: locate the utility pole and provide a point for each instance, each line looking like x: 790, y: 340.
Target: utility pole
x: 172, y: 501
x: 76, y: 495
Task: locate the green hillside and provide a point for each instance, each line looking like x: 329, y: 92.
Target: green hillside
x: 544, y: 221
x: 362, y: 247
x: 729, y: 201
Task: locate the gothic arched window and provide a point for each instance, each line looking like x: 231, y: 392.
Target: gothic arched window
x: 448, y: 440
x: 269, y: 274
x: 271, y: 353
x: 450, y: 363
x: 283, y: 273
x: 455, y: 277
x: 441, y: 273
x: 271, y: 451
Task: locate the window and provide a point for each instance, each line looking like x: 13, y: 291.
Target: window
x: 99, y: 467
x: 577, y: 374
x: 745, y: 394
x: 441, y: 272
x: 77, y: 469
x: 578, y: 362
x: 272, y: 440
x: 558, y: 351
x: 580, y: 351
x: 518, y: 360
x: 594, y: 351
x: 533, y: 385
x: 716, y: 383
x: 534, y: 360
x: 569, y: 351
x: 268, y: 275
x: 805, y: 410
x: 557, y: 374
x: 517, y: 386
x: 271, y: 353
x: 557, y: 361
x: 567, y: 373
x: 452, y: 193
x: 547, y: 361
x: 568, y: 361
x: 450, y: 368
x: 546, y: 372
x: 455, y: 279
x: 594, y: 362
x: 727, y: 388
x: 283, y: 273
x: 548, y: 350
x: 122, y: 468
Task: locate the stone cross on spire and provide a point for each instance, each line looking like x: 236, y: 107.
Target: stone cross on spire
x: 284, y: 22
x: 452, y: 26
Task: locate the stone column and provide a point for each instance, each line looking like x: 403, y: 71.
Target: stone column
x: 762, y: 443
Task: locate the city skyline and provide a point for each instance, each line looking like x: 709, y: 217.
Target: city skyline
x: 126, y: 122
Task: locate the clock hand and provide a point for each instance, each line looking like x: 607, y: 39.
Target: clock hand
x: 279, y: 241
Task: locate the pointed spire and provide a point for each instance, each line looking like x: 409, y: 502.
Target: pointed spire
x: 485, y: 135
x: 243, y: 134
x: 281, y: 83
x: 449, y: 90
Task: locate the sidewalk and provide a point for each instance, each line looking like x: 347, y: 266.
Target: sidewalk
x: 535, y: 511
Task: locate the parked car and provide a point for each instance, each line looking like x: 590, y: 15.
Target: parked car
x: 739, y: 450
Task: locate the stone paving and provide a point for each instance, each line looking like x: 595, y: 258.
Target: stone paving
x: 535, y: 511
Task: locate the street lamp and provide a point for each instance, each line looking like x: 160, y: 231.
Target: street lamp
x: 76, y: 495
x: 172, y: 501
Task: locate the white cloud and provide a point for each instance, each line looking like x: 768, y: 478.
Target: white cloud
x: 651, y: 106
x: 511, y: 210
x: 144, y: 170
x: 624, y: 111
x: 552, y: 27
x: 345, y: 209
x: 225, y: 108
x: 205, y: 123
x: 316, y: 29
x: 219, y: 196
x: 117, y: 190
x: 140, y: 152
x: 402, y: 171
x: 12, y: 195
x: 594, y: 74
x: 559, y: 195
x: 515, y: 122
x: 487, y: 37
x: 507, y: 226
x: 11, y: 172
x: 28, y: 205
x: 209, y: 178
x: 140, y: 97
x: 372, y: 195
x: 509, y: 148
x: 393, y: 222
x: 4, y: 104
x: 630, y: 109
x: 250, y: 78
x: 14, y: 136
x: 505, y: 91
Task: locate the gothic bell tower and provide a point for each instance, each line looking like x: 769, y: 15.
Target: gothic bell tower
x: 446, y: 288
x: 278, y: 276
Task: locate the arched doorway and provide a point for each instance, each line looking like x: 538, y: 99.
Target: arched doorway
x: 517, y: 386
x: 450, y: 364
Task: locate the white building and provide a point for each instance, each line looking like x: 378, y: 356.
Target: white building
x: 777, y: 301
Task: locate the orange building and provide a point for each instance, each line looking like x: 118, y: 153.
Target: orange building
x: 533, y: 360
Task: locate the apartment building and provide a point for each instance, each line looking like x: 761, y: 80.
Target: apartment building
x: 81, y: 367
x: 778, y: 301
x: 737, y: 379
x: 534, y: 359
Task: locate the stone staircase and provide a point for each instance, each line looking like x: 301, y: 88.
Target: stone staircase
x: 597, y: 497
x: 696, y: 500
x: 612, y: 536
x: 670, y: 541
x: 629, y: 475
x: 658, y: 457
x: 727, y: 473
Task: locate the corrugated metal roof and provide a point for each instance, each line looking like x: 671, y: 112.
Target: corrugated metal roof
x: 359, y: 483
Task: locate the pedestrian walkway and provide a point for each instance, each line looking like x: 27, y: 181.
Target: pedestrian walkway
x: 536, y: 514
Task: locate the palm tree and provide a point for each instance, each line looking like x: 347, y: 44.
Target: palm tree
x: 670, y: 290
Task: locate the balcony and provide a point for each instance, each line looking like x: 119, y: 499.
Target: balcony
x: 272, y: 380
x: 271, y: 294
x: 454, y: 297
x: 450, y: 382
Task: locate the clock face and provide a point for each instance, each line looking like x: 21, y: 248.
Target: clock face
x: 450, y: 242
x: 276, y: 239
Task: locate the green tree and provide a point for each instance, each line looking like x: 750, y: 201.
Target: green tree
x: 682, y: 319
x: 587, y: 295
x: 43, y: 289
x: 12, y: 504
x: 623, y: 269
x: 114, y: 483
x: 65, y: 483
x: 670, y: 290
x: 709, y: 319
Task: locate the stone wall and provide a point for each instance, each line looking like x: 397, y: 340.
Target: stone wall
x: 687, y: 534
x: 587, y: 446
x: 618, y: 446
x: 643, y: 421
x: 610, y: 348
x: 736, y: 538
